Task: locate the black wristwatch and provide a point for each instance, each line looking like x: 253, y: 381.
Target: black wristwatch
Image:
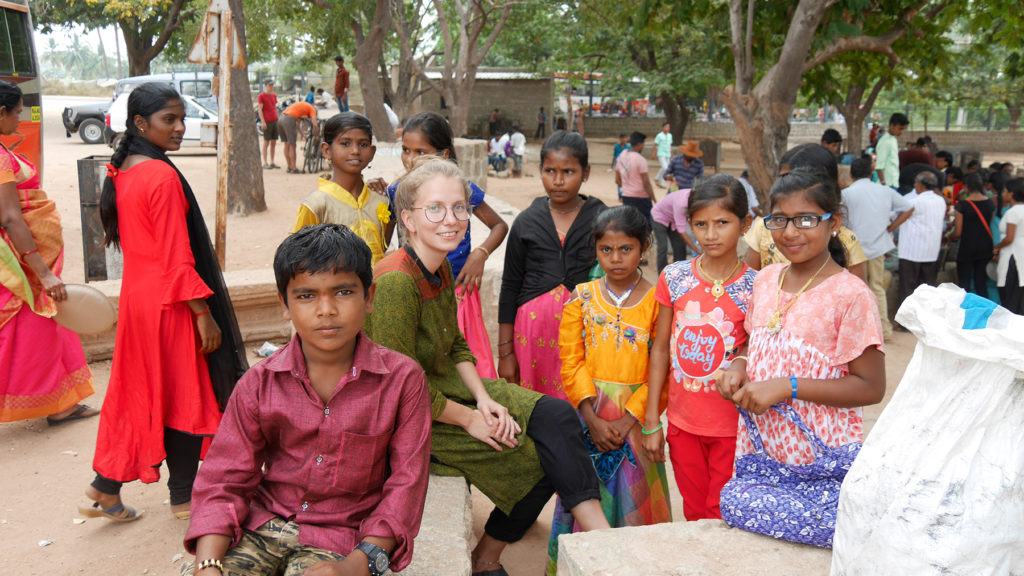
x: 379, y: 561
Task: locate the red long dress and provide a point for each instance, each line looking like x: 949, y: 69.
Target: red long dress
x: 158, y: 378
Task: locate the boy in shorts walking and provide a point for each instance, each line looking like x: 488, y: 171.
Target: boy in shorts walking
x: 266, y: 108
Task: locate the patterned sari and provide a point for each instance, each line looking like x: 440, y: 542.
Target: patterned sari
x: 42, y: 367
x: 536, y: 342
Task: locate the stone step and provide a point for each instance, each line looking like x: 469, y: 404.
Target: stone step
x: 445, y: 540
x: 686, y: 548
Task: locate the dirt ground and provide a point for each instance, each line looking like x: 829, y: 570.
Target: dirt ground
x: 47, y: 469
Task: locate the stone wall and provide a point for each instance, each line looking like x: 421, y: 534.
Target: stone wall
x: 995, y: 141
x: 518, y: 101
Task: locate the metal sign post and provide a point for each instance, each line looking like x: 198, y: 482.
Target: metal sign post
x: 217, y: 43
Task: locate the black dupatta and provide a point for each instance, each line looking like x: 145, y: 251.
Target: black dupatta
x: 228, y: 362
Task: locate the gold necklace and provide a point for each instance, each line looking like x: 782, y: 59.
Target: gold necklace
x: 717, y: 291
x: 775, y: 322
x: 579, y: 202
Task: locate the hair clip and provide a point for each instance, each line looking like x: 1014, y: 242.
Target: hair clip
x: 111, y: 171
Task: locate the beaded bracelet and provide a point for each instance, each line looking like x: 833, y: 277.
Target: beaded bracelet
x: 648, y: 432
x: 792, y: 382
x: 210, y: 563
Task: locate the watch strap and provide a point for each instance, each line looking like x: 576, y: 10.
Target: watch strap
x: 379, y: 559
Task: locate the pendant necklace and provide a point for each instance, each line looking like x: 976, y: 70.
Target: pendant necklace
x: 579, y: 202
x: 717, y: 290
x: 616, y: 298
x: 775, y: 322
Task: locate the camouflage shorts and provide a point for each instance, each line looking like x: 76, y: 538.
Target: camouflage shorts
x: 272, y: 550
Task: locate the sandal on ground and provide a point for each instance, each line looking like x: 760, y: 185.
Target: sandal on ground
x: 182, y: 514
x: 273, y: 166
x: 499, y: 571
x: 265, y: 166
x: 115, y: 513
x: 81, y: 412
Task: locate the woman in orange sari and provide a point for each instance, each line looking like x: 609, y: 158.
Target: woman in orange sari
x: 42, y: 367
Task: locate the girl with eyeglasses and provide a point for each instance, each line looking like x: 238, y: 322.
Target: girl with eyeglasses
x: 516, y: 446
x: 549, y: 252
x: 763, y: 248
x: 428, y: 133
x: 815, y: 335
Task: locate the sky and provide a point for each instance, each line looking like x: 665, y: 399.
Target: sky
x: 62, y: 38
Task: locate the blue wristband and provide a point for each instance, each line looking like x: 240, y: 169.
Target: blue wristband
x: 792, y: 382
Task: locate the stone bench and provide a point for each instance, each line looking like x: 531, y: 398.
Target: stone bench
x: 445, y: 540
x: 684, y: 548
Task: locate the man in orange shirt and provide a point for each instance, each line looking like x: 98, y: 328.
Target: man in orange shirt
x: 289, y: 129
x: 341, y: 84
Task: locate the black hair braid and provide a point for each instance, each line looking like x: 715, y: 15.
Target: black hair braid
x: 108, y: 197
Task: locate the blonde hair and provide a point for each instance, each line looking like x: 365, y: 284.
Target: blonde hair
x: 423, y: 168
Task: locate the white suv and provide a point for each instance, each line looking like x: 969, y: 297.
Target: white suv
x: 117, y: 119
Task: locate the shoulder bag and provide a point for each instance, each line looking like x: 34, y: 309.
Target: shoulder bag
x: 790, y: 502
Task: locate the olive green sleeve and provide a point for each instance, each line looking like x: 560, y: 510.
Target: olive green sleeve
x: 394, y: 321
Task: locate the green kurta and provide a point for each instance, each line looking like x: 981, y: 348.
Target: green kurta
x: 413, y: 316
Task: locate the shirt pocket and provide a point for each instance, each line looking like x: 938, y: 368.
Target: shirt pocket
x: 362, y: 463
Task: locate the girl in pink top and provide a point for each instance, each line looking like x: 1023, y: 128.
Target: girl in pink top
x: 815, y: 333
x: 700, y: 332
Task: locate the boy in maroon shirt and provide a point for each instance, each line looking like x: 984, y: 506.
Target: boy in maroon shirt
x: 319, y: 466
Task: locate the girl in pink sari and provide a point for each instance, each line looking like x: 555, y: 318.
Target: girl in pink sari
x: 549, y: 252
x: 42, y: 367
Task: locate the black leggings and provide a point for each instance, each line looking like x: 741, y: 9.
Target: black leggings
x: 183, y: 452
x: 967, y: 270
x: 568, y: 470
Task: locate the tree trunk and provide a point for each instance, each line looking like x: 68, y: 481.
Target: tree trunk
x: 138, y: 63
x: 1014, y: 112
x: 245, y: 194
x: 370, y: 44
x: 761, y: 147
x: 677, y: 115
x: 459, y: 103
x: 855, y: 133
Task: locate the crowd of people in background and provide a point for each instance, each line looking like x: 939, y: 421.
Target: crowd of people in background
x: 320, y: 454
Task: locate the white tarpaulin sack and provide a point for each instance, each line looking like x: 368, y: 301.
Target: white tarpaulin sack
x: 938, y: 487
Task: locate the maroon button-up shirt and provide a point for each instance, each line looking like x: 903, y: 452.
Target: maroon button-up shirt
x: 353, y: 467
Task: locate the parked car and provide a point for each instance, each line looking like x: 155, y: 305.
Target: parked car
x: 86, y: 119
x: 198, y: 85
x: 196, y: 115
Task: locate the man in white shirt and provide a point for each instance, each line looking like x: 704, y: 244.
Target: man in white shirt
x: 518, y: 142
x: 496, y: 154
x: 920, y: 235
x: 868, y: 207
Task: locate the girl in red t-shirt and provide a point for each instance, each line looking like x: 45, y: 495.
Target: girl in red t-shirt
x: 700, y: 332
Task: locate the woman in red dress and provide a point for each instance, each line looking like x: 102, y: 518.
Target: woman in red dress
x: 178, y: 352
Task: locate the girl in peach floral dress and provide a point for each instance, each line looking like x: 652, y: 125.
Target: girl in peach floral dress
x: 815, y: 333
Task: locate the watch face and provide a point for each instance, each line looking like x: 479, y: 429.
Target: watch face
x: 381, y: 563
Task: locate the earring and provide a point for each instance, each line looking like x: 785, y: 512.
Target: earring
x: 835, y: 233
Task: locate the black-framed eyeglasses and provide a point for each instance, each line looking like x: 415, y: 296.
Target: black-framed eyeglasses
x: 436, y: 213
x: 801, y: 222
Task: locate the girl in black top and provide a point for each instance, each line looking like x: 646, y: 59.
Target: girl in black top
x: 549, y: 252
x: 973, y: 217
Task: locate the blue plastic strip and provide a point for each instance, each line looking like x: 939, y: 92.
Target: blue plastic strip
x: 976, y: 311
